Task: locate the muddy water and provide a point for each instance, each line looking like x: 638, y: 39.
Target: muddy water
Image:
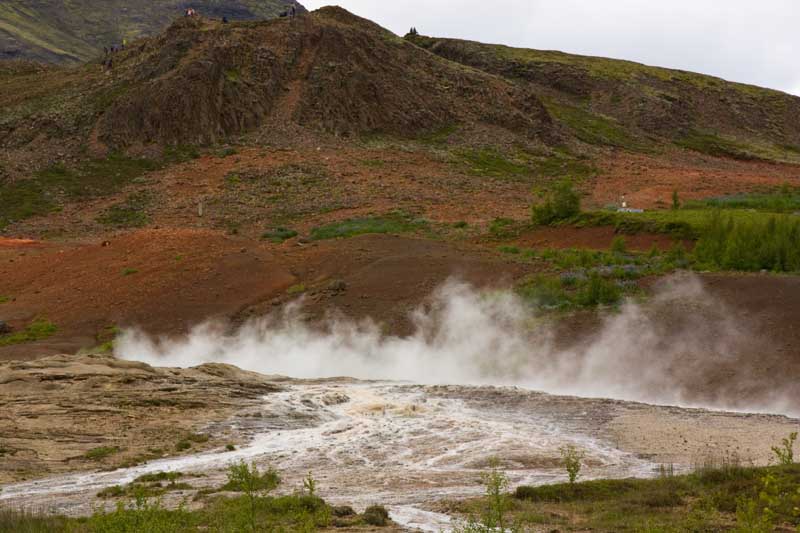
x: 404, y: 446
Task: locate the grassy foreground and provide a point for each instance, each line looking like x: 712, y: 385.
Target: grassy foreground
x: 728, y: 498
x: 243, y: 504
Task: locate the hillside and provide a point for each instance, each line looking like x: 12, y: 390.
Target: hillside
x: 634, y: 107
x: 69, y: 32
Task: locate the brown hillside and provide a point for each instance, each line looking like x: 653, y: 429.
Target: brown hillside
x: 201, y: 81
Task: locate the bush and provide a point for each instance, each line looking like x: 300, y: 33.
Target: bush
x: 751, y: 245
x: 376, y: 515
x: 561, y: 202
x: 95, y: 454
x: 572, y: 459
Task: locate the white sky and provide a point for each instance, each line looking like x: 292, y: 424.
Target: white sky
x: 750, y: 41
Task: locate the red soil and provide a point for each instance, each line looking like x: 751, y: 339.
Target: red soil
x: 648, y: 182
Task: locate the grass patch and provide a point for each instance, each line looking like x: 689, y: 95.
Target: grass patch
x: 438, y: 136
x: 50, y: 187
x: 128, y: 214
x: 5, y: 299
x: 573, y: 291
x: 563, y: 165
x: 279, y: 235
x: 488, y: 162
x: 129, y: 272
x: 712, y: 144
x: 100, y: 453
x: 37, y: 330
x: 594, y: 129
x: 786, y: 200
x: 679, y: 224
x: 710, y: 499
x: 300, y: 288
x: 391, y: 223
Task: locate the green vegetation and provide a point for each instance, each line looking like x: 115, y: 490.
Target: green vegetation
x: 572, y: 458
x: 493, y: 515
x: 771, y: 243
x: 524, y: 166
x: 5, y: 299
x: 128, y: 214
x: 148, y: 485
x: 44, y: 192
x: 594, y: 129
x: 706, y: 500
x: 680, y: 224
x: 561, y: 164
x: 560, y: 202
x: 376, y: 515
x: 503, y: 228
x: 37, y: 330
x: 711, y: 144
x: 573, y: 291
x: 785, y: 452
x: 438, y: 136
x: 100, y: 453
x: 129, y: 271
x: 299, y: 288
x: 491, y: 163
x: 279, y: 235
x: 786, y: 200
x: 392, y: 223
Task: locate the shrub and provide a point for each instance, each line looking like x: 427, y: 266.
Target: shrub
x: 598, y: 291
x: 376, y: 515
x: 561, y: 202
x: 572, y: 459
x: 96, y: 454
x: 785, y: 452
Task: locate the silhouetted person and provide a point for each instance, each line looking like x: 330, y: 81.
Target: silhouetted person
x: 294, y: 10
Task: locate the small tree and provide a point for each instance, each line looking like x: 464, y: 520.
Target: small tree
x: 253, y: 483
x: 572, y: 459
x: 676, y: 201
x: 559, y: 203
x: 494, y: 518
x: 785, y: 452
x: 310, y: 485
x: 496, y: 483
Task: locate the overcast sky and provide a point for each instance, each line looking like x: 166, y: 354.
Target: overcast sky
x: 750, y: 41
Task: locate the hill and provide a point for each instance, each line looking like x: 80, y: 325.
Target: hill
x: 632, y: 106
x: 70, y: 32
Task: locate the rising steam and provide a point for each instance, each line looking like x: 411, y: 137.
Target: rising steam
x: 463, y: 336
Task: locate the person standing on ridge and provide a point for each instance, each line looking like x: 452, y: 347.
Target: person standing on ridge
x: 294, y: 11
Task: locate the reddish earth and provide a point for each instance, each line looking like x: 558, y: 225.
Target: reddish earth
x: 648, y: 182
x: 163, y: 280
x: 169, y: 280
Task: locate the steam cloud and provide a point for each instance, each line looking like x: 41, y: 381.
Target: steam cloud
x: 463, y: 336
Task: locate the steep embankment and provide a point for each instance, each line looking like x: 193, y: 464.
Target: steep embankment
x: 69, y: 32
x: 628, y: 105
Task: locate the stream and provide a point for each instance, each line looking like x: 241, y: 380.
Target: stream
x: 404, y: 446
